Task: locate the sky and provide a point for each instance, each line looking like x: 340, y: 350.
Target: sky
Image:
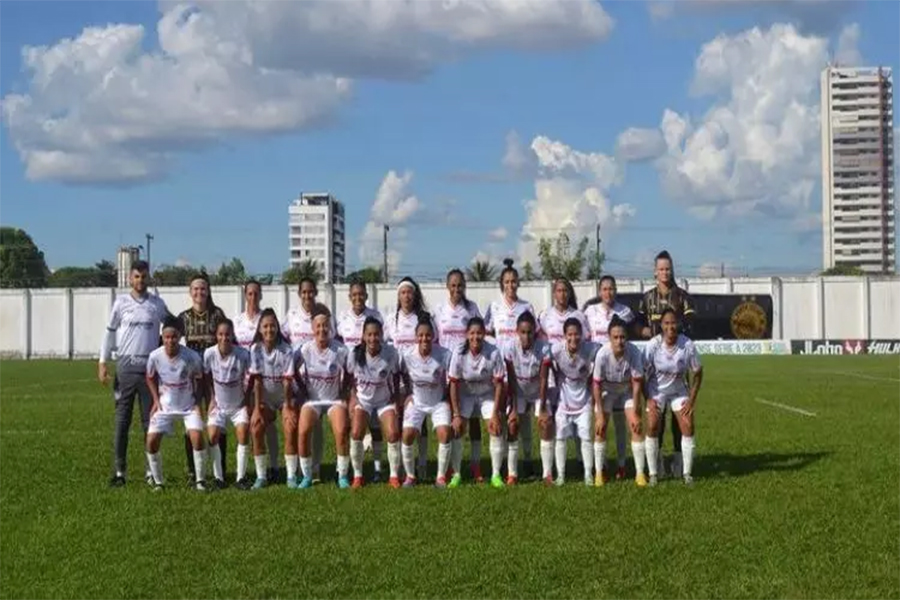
x: 473, y: 128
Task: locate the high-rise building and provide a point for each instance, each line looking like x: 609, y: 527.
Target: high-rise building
x: 125, y: 258
x: 317, y: 234
x: 858, y: 227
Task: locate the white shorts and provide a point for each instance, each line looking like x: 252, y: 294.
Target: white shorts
x: 672, y: 398
x: 617, y: 401
x: 221, y: 416
x: 567, y: 424
x: 164, y: 421
x: 472, y: 406
x: 414, y: 416
x: 375, y: 412
x: 322, y: 407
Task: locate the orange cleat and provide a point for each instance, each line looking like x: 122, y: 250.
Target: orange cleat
x: 394, y: 482
x: 512, y: 480
x: 357, y: 483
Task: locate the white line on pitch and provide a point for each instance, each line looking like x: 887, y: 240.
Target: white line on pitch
x: 786, y: 407
x: 863, y: 376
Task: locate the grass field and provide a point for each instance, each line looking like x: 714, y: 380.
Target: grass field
x: 785, y: 505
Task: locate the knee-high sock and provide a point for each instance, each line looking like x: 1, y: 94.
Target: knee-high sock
x: 621, y: 426
x: 242, y: 451
x: 216, y: 459
x: 306, y: 466
x: 587, y: 457
x: 272, y: 445
x: 409, y: 460
x: 496, y: 447
x: 687, y: 451
x: 155, y: 462
x: 525, y: 435
x: 651, y: 445
x: 443, y: 457
x: 199, y: 463
x: 393, y: 452
x: 343, y: 464
x: 456, y: 455
x: 639, y: 453
x: 561, y: 459
x: 318, y: 444
x: 546, y: 458
x: 290, y: 464
x: 260, y: 461
x: 512, y: 458
x: 599, y: 455
x: 357, y: 450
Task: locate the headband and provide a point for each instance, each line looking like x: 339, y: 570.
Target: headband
x: 404, y: 284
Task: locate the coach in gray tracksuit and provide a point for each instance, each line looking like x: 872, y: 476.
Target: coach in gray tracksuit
x: 133, y: 329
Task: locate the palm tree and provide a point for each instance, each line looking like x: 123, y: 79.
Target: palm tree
x: 307, y: 268
x: 481, y: 271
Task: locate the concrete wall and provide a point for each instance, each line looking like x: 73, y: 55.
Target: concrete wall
x: 64, y: 323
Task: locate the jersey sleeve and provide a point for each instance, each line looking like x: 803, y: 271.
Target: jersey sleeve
x: 289, y: 364
x: 151, y: 365
x: 627, y: 314
x: 598, y: 366
x: 455, y: 370
x: 499, y: 366
x: 255, y: 362
x: 692, y: 356
x: 637, y: 363
x: 109, y: 334
x: 286, y: 326
x: 585, y: 326
x: 489, y: 317
x: 208, y: 359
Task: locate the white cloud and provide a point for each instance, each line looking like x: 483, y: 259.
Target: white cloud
x: 808, y: 15
x: 517, y: 158
x: 714, y: 269
x: 498, y: 235
x: 98, y: 108
x: 847, y: 53
x: 394, y: 205
x: 636, y: 144
x: 182, y: 262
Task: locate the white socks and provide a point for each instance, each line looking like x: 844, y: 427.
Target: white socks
x: 512, y: 458
x: 637, y: 450
x: 443, y: 457
x: 651, y: 445
x: 393, y: 453
x: 687, y: 453
x: 306, y: 466
x: 475, y: 457
x: 456, y: 455
x: 242, y: 452
x: 423, y: 452
x: 409, y: 460
x: 155, y: 462
x: 318, y: 441
x: 546, y: 458
x: 621, y: 437
x: 357, y: 450
x: 290, y: 462
x: 587, y: 457
x: 599, y: 455
x: 561, y: 460
x: 496, y: 446
x: 199, y: 463
x: 261, y: 463
x: 272, y: 445
x: 343, y: 465
x: 215, y: 455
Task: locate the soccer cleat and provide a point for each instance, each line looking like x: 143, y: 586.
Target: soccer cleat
x: 117, y: 481
x: 305, y: 483
x: 512, y: 480
x: 292, y: 483
x: 260, y: 483
x: 243, y: 484
x: 640, y: 480
x: 497, y: 481
x: 620, y: 473
x: 317, y: 476
x: 559, y: 482
x: 219, y: 484
x: 357, y: 483
x: 394, y: 482
x: 599, y: 480
x: 455, y: 481
x: 688, y: 481
x: 343, y: 482
x: 441, y: 482
x: 200, y: 486
x: 409, y: 482
x: 589, y: 481
x: 157, y: 487
x: 475, y: 471
x: 653, y: 481
x: 148, y: 477
x: 548, y: 481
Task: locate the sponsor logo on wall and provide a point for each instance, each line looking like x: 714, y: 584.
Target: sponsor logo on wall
x: 842, y: 347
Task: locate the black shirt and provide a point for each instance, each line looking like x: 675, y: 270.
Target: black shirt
x: 653, y: 303
x: 200, y: 328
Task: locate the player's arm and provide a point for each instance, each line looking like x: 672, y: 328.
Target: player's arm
x: 208, y: 384
x: 108, y: 342
x: 544, y: 385
x: 397, y: 395
x: 512, y: 393
x: 453, y: 386
x: 153, y: 387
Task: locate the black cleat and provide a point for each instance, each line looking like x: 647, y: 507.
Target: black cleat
x: 219, y: 484
x: 117, y: 481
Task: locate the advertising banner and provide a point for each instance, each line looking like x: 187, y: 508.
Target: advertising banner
x: 841, y: 347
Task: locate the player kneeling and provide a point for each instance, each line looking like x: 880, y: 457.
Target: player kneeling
x: 424, y: 369
x: 172, y: 373
x: 374, y: 381
x: 226, y: 367
x: 670, y: 357
x: 618, y: 380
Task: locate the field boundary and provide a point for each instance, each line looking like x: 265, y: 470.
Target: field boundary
x: 785, y: 407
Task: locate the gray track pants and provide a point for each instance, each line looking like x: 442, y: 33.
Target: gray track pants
x: 126, y: 387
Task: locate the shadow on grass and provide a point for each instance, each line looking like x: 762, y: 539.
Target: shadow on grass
x: 737, y: 465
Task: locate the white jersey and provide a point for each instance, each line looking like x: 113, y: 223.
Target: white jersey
x: 245, y: 329
x: 400, y: 330
x: 616, y: 374
x: 477, y: 373
x: 272, y: 368
x: 599, y: 315
x: 322, y: 371
x: 552, y: 322
x: 502, y: 317
x: 298, y: 328
x: 527, y: 365
x: 176, y: 377
x: 350, y: 325
x: 228, y: 374
x: 135, y: 322
x: 427, y: 374
x: 667, y: 366
x: 375, y: 380
x: 573, y: 376
x: 451, y: 321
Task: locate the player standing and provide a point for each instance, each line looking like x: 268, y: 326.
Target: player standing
x: 133, y: 328
x: 477, y: 373
x: 618, y: 381
x: 173, y: 372
x: 671, y: 357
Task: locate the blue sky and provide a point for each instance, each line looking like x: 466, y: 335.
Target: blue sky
x: 567, y: 84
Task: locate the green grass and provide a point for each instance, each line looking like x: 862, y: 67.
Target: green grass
x: 785, y: 505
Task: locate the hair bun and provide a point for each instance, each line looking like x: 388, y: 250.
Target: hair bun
x: 424, y: 317
x: 508, y: 262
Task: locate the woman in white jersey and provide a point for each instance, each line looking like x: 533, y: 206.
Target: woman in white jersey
x: 477, y: 373
x: 272, y: 373
x: 599, y: 313
x: 173, y: 372
x: 527, y: 368
x: 373, y: 370
x: 227, y: 369
x: 350, y: 332
x: 245, y: 326
x: 322, y: 375
x: 618, y: 381
x: 573, y: 364
x: 670, y: 358
x: 424, y: 370
x: 400, y: 331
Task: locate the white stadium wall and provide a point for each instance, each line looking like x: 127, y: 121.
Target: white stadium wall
x: 69, y: 323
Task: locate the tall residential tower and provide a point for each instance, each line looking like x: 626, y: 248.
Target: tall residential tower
x: 317, y: 234
x: 858, y: 169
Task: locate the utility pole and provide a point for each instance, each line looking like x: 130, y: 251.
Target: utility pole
x: 386, y: 229
x: 149, y: 239
x: 598, y: 249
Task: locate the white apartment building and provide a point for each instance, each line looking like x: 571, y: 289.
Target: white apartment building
x: 858, y: 222
x: 316, y: 223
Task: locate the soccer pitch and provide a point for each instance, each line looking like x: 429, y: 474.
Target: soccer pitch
x: 785, y: 504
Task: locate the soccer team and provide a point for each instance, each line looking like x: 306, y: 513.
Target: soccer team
x: 380, y: 379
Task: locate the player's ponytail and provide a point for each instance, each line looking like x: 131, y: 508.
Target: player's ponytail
x: 508, y: 268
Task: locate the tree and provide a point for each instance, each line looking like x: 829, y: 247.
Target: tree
x: 845, y: 270
x: 528, y: 273
x: 107, y: 274
x: 557, y: 259
x: 595, y: 265
x: 22, y: 264
x: 265, y: 278
x: 481, y: 270
x: 232, y: 273
x: 174, y: 276
x: 307, y: 268
x: 366, y: 275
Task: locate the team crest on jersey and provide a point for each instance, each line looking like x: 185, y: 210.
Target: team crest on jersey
x: 382, y: 373
x: 332, y: 368
x: 582, y: 369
